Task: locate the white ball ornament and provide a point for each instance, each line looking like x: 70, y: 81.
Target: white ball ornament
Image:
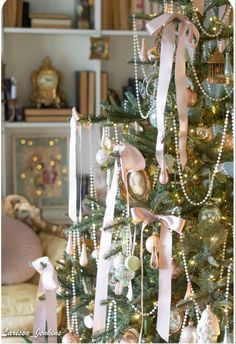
x: 153, y: 242
x: 102, y: 157
x: 95, y: 253
x: 88, y: 321
x: 189, y: 334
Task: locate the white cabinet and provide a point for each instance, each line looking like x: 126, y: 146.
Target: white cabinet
x: 69, y: 49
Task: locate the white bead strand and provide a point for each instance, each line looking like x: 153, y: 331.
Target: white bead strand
x: 216, y: 168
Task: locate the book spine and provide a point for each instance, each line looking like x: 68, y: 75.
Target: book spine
x: 26, y: 18
x: 83, y: 92
x: 107, y: 15
x: 91, y: 93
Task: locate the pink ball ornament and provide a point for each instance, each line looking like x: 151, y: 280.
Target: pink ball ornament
x: 69, y: 338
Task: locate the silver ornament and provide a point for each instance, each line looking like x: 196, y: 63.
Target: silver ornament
x: 208, y: 328
x: 189, y: 334
x: 209, y: 215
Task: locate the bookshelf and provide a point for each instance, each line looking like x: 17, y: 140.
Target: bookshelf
x: 23, y: 50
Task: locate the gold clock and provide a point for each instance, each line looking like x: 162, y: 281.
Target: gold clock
x: 46, y: 86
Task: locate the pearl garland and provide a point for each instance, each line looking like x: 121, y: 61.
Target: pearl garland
x: 136, y: 50
x: 220, y: 99
x: 227, y: 292
x: 112, y: 305
x: 92, y: 189
x: 146, y: 314
x: 216, y: 168
x: 223, y: 254
x: 74, y: 324
x: 212, y: 35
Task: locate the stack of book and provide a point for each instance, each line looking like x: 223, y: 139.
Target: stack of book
x: 50, y: 20
x: 115, y: 13
x: 85, y: 82
x: 16, y: 13
x: 47, y: 115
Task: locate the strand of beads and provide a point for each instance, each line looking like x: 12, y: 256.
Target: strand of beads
x: 185, y: 322
x: 223, y: 254
x: 227, y: 293
x: 74, y: 323
x: 220, y: 99
x: 68, y: 313
x: 92, y: 189
x: 146, y: 314
x: 199, y: 24
x: 197, y: 308
x: 112, y: 305
x: 211, y: 183
x: 135, y: 45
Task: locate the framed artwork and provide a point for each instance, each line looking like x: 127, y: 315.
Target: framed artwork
x: 99, y: 47
x: 40, y: 167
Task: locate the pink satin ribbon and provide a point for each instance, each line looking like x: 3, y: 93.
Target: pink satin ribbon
x: 186, y: 29
x: 45, y: 311
x: 165, y: 258
x: 130, y: 160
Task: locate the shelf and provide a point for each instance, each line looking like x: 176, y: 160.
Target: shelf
x: 25, y: 125
x: 26, y: 30
x: 123, y: 33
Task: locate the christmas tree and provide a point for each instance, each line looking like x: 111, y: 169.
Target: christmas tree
x: 153, y: 261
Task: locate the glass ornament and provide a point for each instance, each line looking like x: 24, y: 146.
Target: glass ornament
x: 153, y: 246
x: 227, y: 337
x: 102, y: 157
x: 124, y: 276
x: 208, y: 327
x: 130, y: 336
x: 132, y: 263
x: 83, y: 260
x: 203, y: 133
x: 209, y: 215
x: 189, y: 334
x: 228, y: 70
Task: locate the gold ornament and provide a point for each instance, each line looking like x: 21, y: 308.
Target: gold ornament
x: 176, y: 320
x: 70, y: 338
x: 131, y: 336
x: 153, y: 247
x: 191, y: 97
x: 203, y: 133
x: 216, y: 65
x: 229, y: 142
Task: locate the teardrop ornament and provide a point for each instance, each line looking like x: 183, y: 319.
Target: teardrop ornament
x: 84, y: 257
x: 154, y: 258
x: 143, y: 51
x: 163, y: 179
x: 69, y: 246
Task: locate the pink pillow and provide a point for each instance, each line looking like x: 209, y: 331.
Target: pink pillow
x: 19, y: 245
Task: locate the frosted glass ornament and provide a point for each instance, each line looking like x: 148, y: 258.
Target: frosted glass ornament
x: 227, y: 337
x: 88, y: 321
x: 189, y: 334
x: 118, y: 288
x: 209, y: 215
x: 83, y: 260
x: 102, y: 157
x: 118, y: 260
x: 208, y: 327
x: 132, y: 263
x: 124, y: 276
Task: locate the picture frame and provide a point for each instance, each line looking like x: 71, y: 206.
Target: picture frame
x: 99, y: 48
x: 40, y: 169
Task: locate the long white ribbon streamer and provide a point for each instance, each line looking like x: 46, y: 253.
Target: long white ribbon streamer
x: 72, y: 206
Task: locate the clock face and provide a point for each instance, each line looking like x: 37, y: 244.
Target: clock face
x: 176, y: 320
x: 47, y: 80
x: 137, y: 185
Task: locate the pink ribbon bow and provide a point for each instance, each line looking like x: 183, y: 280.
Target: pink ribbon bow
x: 165, y: 257
x: 130, y: 160
x: 187, y: 30
x: 45, y: 311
